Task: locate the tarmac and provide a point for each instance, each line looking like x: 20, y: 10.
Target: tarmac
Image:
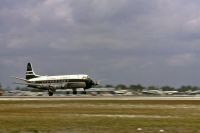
x: 53, y: 98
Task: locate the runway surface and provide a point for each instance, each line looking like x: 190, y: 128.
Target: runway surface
x: 109, y: 114
x: 7, y: 98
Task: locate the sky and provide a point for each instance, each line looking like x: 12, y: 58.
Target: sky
x: 148, y: 42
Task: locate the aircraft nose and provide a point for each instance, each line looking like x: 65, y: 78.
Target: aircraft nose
x: 94, y: 83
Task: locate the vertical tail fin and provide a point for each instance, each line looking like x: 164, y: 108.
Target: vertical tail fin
x: 30, y: 73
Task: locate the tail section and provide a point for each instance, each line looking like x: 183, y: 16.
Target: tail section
x: 30, y: 73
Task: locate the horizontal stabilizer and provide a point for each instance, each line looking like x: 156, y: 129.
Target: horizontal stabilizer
x: 31, y: 84
x: 20, y: 83
x: 19, y: 78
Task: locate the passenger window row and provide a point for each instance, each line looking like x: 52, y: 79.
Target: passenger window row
x: 52, y: 81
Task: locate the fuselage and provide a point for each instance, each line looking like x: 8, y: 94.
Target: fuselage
x: 51, y: 83
x: 62, y: 81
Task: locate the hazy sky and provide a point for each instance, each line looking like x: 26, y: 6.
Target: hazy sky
x: 150, y: 42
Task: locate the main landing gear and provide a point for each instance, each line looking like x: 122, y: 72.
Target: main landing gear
x: 84, y: 92
x: 74, y: 91
x: 51, y: 91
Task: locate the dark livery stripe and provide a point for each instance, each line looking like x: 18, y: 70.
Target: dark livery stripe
x: 30, y: 76
x: 29, y: 67
x: 29, y: 72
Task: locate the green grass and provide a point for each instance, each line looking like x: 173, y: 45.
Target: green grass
x: 100, y: 116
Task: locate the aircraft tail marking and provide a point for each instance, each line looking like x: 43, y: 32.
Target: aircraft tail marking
x: 30, y: 73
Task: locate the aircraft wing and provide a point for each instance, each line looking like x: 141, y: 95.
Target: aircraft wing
x: 31, y: 84
x: 34, y: 85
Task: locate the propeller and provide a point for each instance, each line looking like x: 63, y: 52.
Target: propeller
x: 99, y: 82
x: 92, y: 72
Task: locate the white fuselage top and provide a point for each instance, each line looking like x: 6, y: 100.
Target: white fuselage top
x: 59, y: 77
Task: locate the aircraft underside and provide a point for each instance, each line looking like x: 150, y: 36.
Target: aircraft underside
x: 51, y: 88
x: 51, y: 91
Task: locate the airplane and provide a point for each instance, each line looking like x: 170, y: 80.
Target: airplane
x: 159, y: 92
x: 51, y: 83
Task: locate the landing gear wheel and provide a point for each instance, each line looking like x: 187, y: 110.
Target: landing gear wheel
x: 50, y: 93
x: 74, y: 91
x: 84, y: 92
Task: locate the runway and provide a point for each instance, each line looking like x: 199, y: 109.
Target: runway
x: 105, y: 113
x: 21, y: 98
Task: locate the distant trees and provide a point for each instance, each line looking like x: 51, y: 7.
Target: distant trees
x: 132, y: 87
x: 137, y: 87
x: 153, y: 88
x: 18, y: 88
x: 109, y: 86
x: 167, y: 88
x: 188, y: 88
x: 121, y: 87
x: 1, y: 87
